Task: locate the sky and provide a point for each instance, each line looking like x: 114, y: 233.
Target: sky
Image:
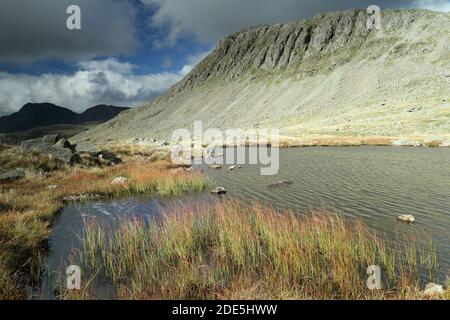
x: 128, y: 52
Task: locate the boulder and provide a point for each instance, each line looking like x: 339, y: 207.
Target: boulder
x: 12, y: 175
x: 219, y: 190
x: 406, y: 218
x: 99, y: 158
x: 49, y: 139
x: 61, y: 149
x: 107, y: 158
x: 433, y: 289
x: 64, y: 143
x: 119, y: 181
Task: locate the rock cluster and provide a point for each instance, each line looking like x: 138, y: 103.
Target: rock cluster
x: 63, y: 150
x: 53, y: 145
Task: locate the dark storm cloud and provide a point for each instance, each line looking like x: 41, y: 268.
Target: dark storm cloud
x: 36, y: 29
x: 208, y: 20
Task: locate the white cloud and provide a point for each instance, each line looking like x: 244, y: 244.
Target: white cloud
x: 107, y: 65
x: 99, y: 81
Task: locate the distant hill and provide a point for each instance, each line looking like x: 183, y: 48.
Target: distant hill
x: 36, y: 115
x: 99, y: 113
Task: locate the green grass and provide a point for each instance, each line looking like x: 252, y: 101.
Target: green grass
x: 232, y: 251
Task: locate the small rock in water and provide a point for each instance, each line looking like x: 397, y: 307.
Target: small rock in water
x: 406, y: 218
x: 433, y: 289
x: 219, y: 190
x: 239, y: 167
x: 119, y: 181
x: 281, y: 183
x: 216, y: 166
x: 231, y: 168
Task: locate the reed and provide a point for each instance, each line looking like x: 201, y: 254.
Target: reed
x: 233, y: 251
x: 28, y: 208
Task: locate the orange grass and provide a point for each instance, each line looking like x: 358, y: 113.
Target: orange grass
x: 28, y: 207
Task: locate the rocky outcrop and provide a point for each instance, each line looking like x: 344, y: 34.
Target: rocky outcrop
x: 281, y: 46
x: 63, y: 150
x: 52, y: 145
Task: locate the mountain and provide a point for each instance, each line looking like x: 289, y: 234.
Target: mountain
x: 99, y: 113
x: 36, y: 115
x: 327, y: 76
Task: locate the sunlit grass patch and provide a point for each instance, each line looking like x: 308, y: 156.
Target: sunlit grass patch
x: 29, y: 206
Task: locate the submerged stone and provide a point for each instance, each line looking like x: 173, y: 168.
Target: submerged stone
x: 406, y: 218
x: 219, y: 190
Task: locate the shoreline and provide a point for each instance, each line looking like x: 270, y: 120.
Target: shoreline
x: 296, y: 142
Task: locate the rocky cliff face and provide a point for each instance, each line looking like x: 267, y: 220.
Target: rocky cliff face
x: 295, y: 45
x: 327, y: 75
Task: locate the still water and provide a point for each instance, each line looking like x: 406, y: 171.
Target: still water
x: 374, y: 184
